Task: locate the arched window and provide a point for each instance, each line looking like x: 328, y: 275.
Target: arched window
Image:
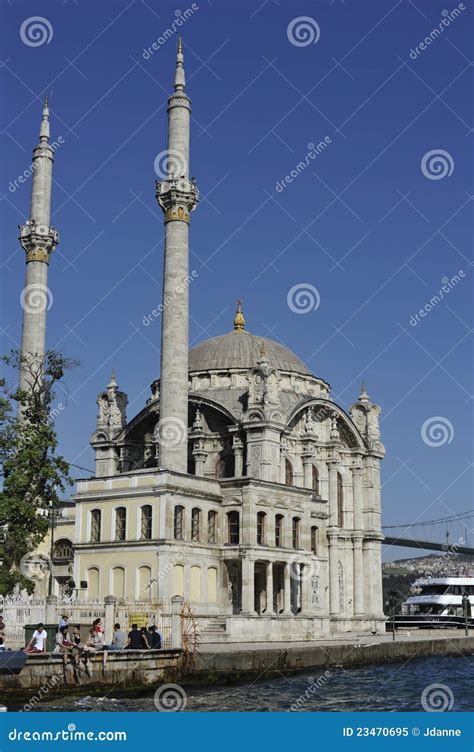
x: 261, y: 528
x: 340, y: 501
x: 212, y: 527
x: 288, y: 473
x: 233, y: 528
x: 315, y: 481
x: 144, y: 583
x: 93, y: 582
x: 279, y: 530
x: 96, y: 516
x: 220, y: 468
x: 314, y: 539
x: 146, y: 522
x: 196, y: 524
x: 195, y: 584
x: 118, y: 582
x: 120, y: 523
x: 225, y: 466
x: 295, y: 532
x: 63, y: 551
x: 179, y: 523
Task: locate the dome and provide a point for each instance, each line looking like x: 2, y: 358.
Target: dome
x: 240, y: 349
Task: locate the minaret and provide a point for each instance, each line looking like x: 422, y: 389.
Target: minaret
x: 177, y: 195
x: 39, y: 240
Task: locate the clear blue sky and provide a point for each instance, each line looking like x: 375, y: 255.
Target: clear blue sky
x: 362, y: 223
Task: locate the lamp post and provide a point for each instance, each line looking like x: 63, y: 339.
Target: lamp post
x: 392, y: 602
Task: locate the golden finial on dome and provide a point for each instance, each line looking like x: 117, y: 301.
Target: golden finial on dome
x: 239, y: 321
x: 180, y: 46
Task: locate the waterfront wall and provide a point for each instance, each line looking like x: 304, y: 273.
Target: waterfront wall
x: 237, y: 663
x: 128, y: 667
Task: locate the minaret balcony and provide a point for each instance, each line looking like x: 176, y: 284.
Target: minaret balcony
x: 39, y: 241
x: 178, y: 197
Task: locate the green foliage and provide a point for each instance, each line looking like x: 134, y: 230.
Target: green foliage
x: 34, y: 474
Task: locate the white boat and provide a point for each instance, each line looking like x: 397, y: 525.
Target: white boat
x: 439, y: 603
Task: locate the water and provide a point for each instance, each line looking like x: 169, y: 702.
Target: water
x: 391, y: 687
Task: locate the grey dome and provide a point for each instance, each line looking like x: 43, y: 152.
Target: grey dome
x: 240, y: 349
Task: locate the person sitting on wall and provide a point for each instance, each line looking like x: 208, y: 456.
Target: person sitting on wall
x: 134, y: 641
x: 2, y: 645
x: 63, y: 643
x: 37, y: 644
x: 145, y: 639
x: 97, y: 625
x: 156, y: 640
x: 118, y: 639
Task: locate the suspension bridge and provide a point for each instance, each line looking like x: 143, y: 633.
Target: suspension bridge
x: 453, y: 533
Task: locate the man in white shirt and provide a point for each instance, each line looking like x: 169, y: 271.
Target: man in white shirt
x: 37, y: 644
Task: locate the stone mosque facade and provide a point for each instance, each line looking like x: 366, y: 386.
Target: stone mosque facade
x: 241, y: 485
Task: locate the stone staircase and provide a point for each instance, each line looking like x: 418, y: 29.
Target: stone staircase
x: 212, y: 629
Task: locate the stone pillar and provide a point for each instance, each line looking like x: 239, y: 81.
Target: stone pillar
x: 248, y: 586
x: 238, y: 457
x: 305, y: 583
x: 333, y: 575
x: 177, y: 196
x: 200, y: 457
x: 358, y: 497
x: 51, y: 609
x: 333, y: 492
x: 176, y: 631
x: 269, y: 609
x: 287, y: 589
x: 109, y: 621
x: 307, y: 469
x: 358, y: 576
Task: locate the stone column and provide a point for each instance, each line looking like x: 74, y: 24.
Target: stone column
x: 177, y: 196
x: 305, y: 581
x: 248, y: 586
x: 333, y: 575
x: 238, y: 457
x: 307, y: 469
x: 269, y: 609
x: 287, y: 589
x: 332, y: 466
x: 176, y: 631
x: 358, y: 576
x: 51, y: 609
x: 358, y: 497
x: 109, y: 620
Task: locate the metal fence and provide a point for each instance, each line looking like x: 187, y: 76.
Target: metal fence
x: 144, y: 614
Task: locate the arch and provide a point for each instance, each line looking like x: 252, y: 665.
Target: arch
x: 144, y: 583
x: 212, y: 526
x: 261, y: 528
x: 118, y: 582
x: 195, y: 524
x: 315, y: 480
x: 212, y: 585
x: 95, y: 525
x: 233, y: 528
x: 315, y: 539
x: 296, y: 532
x: 63, y: 551
x: 330, y: 407
x: 120, y: 523
x: 146, y: 522
x: 340, y: 500
x: 178, y: 580
x: 195, y: 584
x: 288, y: 472
x: 225, y: 465
x: 93, y: 582
x: 279, y: 530
x: 178, y: 523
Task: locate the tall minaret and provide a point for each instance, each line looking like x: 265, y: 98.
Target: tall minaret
x: 39, y: 240
x: 177, y: 195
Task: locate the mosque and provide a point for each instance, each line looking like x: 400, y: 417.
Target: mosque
x: 241, y: 485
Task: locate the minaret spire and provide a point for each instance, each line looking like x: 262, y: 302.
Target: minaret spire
x: 38, y: 239
x: 177, y: 195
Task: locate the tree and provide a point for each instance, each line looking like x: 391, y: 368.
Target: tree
x: 33, y: 472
